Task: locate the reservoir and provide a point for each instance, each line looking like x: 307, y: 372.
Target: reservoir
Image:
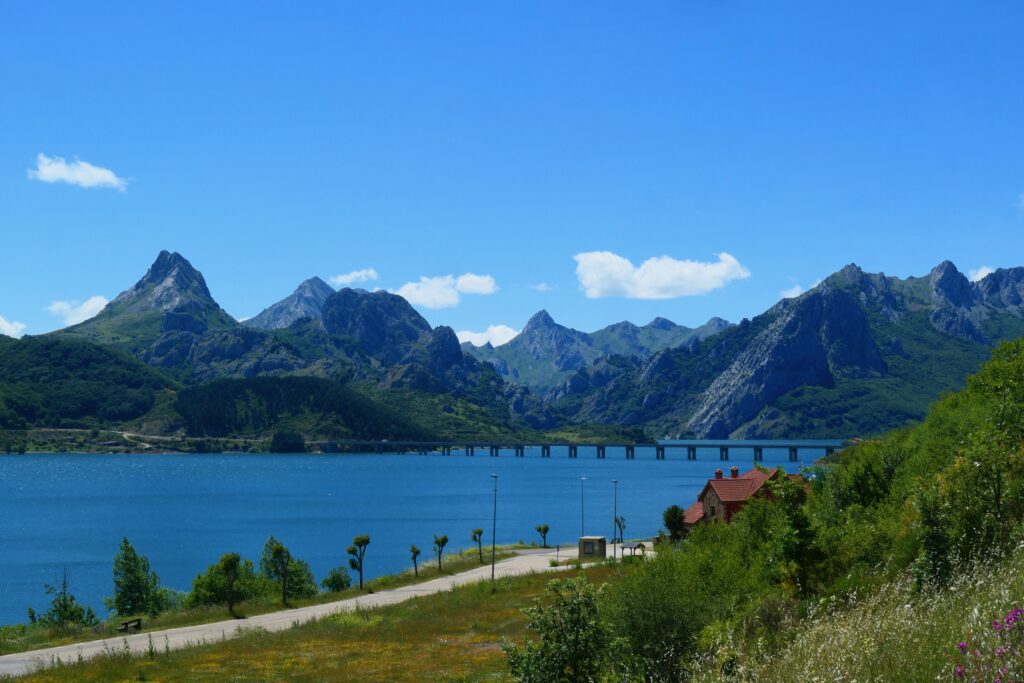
x: 185, y: 511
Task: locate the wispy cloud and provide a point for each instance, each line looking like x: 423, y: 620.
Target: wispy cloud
x: 980, y: 273
x: 81, y: 173
x: 444, y: 291
x: 794, y: 291
x: 604, y: 274
x: 364, y: 275
x: 495, y: 334
x: 541, y: 287
x: 11, y: 329
x: 74, y: 312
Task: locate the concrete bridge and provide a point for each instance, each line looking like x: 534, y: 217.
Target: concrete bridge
x: 518, y: 448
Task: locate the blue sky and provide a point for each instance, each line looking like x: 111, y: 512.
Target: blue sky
x: 269, y: 142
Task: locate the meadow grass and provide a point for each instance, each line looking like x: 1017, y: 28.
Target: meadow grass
x: 23, y: 637
x: 893, y: 633
x: 451, y: 636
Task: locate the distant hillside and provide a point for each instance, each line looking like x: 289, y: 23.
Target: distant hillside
x: 307, y: 301
x: 311, y: 406
x: 545, y: 353
x: 53, y: 382
x: 859, y: 354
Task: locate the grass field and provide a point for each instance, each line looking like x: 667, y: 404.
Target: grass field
x: 23, y: 637
x: 451, y: 636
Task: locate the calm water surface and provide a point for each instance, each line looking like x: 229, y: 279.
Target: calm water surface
x: 184, y: 511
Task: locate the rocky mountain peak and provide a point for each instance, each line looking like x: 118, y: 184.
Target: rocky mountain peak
x: 540, y: 320
x: 307, y: 301
x: 169, y: 283
x: 950, y: 286
x: 385, y: 324
x: 660, y: 323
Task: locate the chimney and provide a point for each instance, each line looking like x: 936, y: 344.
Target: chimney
x: 734, y: 472
x: 718, y: 473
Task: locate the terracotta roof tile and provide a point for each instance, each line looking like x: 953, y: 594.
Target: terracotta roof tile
x: 694, y: 513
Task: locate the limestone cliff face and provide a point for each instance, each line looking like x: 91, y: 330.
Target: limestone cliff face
x: 811, y: 341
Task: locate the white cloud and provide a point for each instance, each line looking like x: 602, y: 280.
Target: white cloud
x: 541, y: 287
x: 468, y: 283
x: 444, y: 291
x: 81, y: 173
x: 10, y: 328
x: 74, y: 312
x: 980, y: 273
x: 602, y: 273
x: 364, y: 275
x: 794, y: 291
x: 495, y: 334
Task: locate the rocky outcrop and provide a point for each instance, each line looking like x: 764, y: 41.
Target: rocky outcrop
x: 812, y: 341
x: 384, y: 325
x: 307, y: 301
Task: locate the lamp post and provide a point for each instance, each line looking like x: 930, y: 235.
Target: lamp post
x: 615, y: 517
x: 582, y: 531
x: 494, y: 523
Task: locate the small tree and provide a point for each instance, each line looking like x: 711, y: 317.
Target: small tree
x: 573, y: 642
x: 543, y: 529
x: 673, y: 518
x: 358, y: 551
x: 228, y: 582
x: 439, y: 543
x: 478, y: 538
x: 136, y: 587
x: 337, y: 580
x: 65, y: 611
x: 276, y: 565
x: 415, y: 552
x: 620, y: 527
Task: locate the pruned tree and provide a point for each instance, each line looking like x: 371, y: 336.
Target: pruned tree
x: 478, y: 538
x: 439, y: 543
x: 358, y: 552
x: 543, y: 529
x: 415, y: 552
x: 620, y: 527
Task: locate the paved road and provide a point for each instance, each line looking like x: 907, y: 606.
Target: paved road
x: 525, y: 562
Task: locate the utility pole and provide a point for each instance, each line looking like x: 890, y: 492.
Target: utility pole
x: 494, y: 524
x: 615, y: 517
x: 582, y: 526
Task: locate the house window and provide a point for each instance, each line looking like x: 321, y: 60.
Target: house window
x: 588, y: 547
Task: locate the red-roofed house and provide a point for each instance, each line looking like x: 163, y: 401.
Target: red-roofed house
x: 722, y: 497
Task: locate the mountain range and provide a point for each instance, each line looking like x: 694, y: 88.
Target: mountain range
x: 858, y: 354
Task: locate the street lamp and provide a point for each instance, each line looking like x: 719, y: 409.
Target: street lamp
x: 615, y: 517
x: 582, y: 532
x: 494, y: 523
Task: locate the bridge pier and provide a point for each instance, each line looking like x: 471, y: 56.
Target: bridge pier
x: 829, y: 452
x: 659, y: 452
x: 545, y: 451
x: 470, y: 451
x: 446, y: 450
x: 520, y: 451
x: 572, y: 452
x: 723, y: 452
x: 494, y: 451
x: 630, y: 453
x: 691, y: 452
x: 758, y: 454
x: 792, y: 453
x: 600, y: 452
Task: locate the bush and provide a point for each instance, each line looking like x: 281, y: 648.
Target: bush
x: 229, y: 582
x: 337, y: 580
x: 573, y: 643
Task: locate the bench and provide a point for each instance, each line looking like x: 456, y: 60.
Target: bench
x: 130, y: 626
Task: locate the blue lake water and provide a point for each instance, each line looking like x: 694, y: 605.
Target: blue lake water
x: 184, y: 511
